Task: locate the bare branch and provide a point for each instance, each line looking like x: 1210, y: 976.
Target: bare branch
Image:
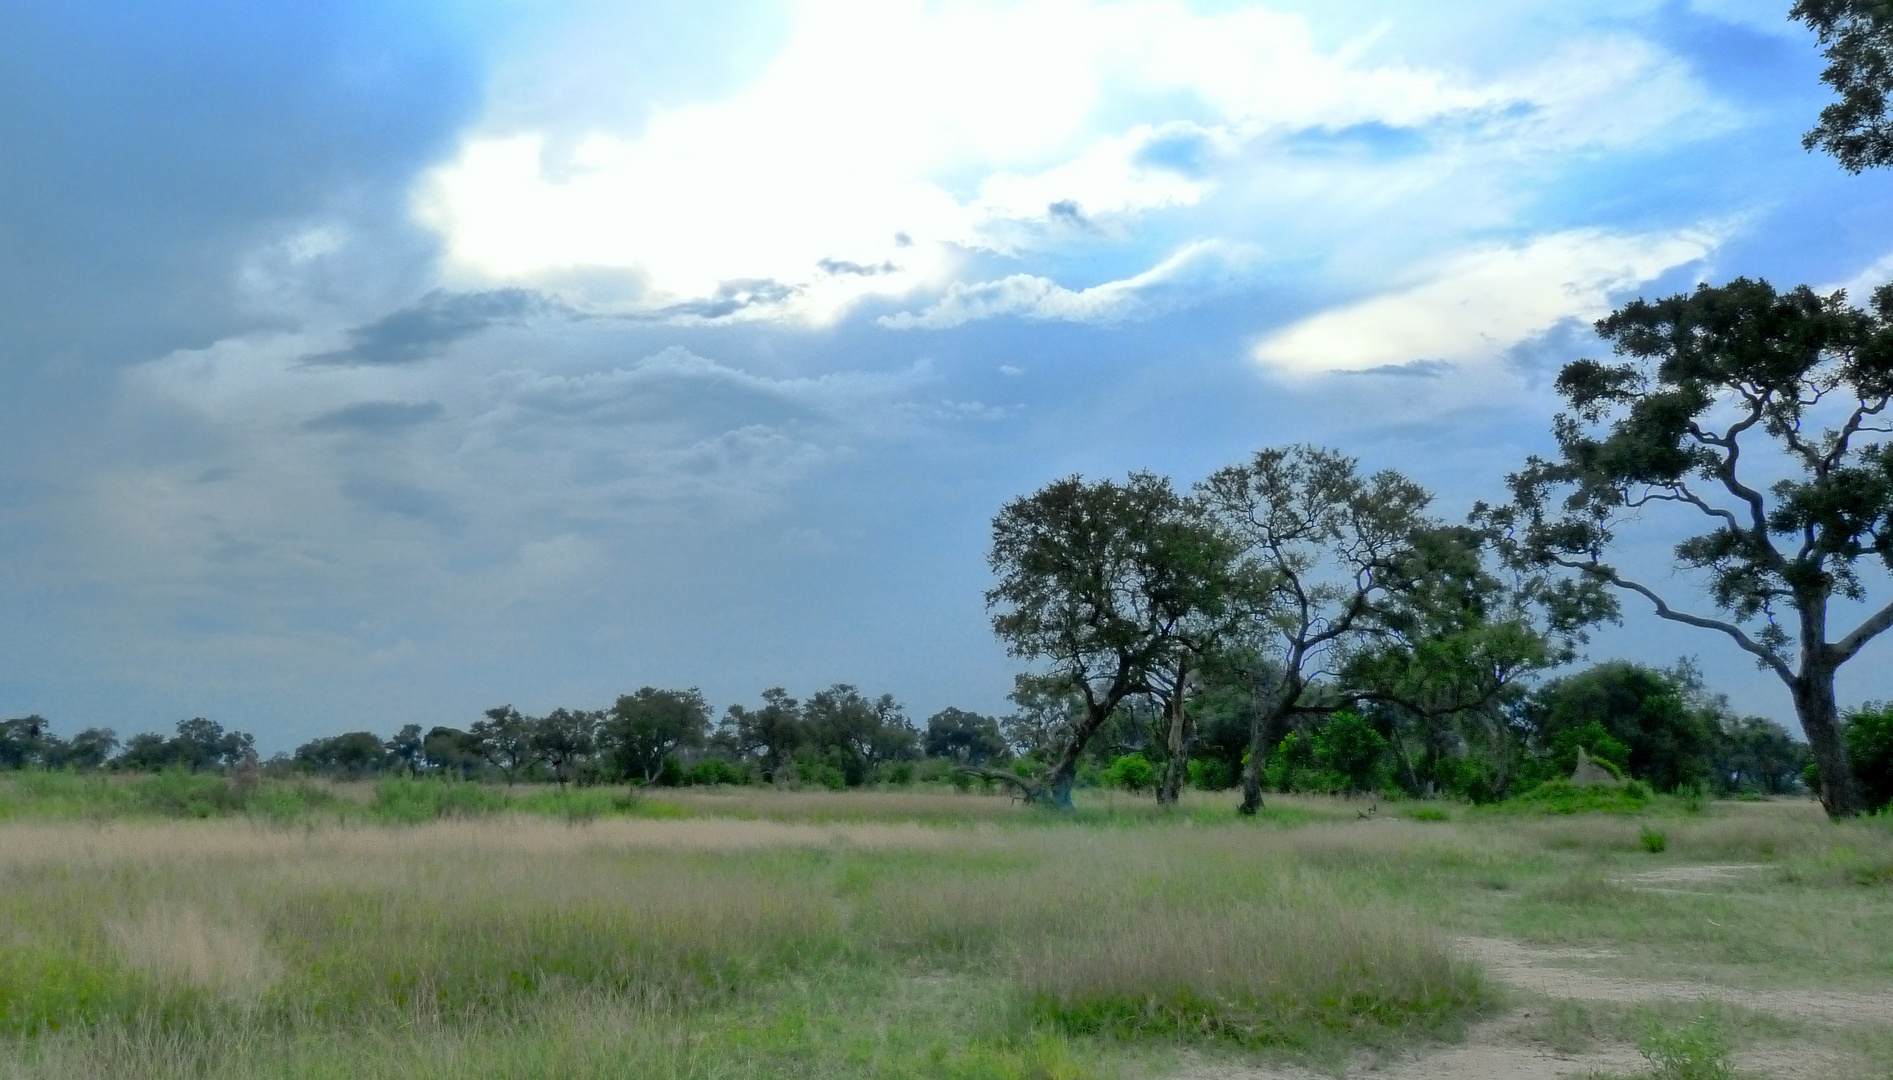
x: 1663, y: 610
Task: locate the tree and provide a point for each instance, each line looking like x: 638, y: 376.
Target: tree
x: 90, y: 748
x: 24, y: 742
x: 564, y: 739
x: 643, y: 728
x: 770, y: 734
x: 964, y: 737
x: 1753, y: 753
x: 1046, y: 716
x: 407, y: 749
x: 1856, y: 37
x: 857, y: 733
x: 1325, y: 548
x: 504, y: 740
x: 1711, y: 378
x: 1095, y: 581
x: 353, y: 755
x: 451, y: 750
x: 1870, y: 743
x: 1663, y: 735
x: 1449, y: 650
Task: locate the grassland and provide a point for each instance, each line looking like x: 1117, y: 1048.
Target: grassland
x: 372, y: 932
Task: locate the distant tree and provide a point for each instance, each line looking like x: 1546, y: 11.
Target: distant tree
x: 1328, y: 549
x: 770, y: 734
x: 351, y: 755
x: 90, y: 749
x: 964, y: 736
x: 644, y: 728
x: 24, y: 742
x: 564, y: 739
x: 504, y: 740
x: 406, y: 749
x: 451, y: 750
x: 1759, y: 754
x: 1870, y: 743
x: 1856, y: 37
x: 146, y: 751
x: 1714, y: 381
x: 1096, y: 580
x: 858, y: 733
x: 1666, y: 740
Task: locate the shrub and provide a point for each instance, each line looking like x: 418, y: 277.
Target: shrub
x: 1653, y: 841
x: 812, y: 773
x: 412, y: 801
x: 710, y: 771
x: 1132, y: 772
x: 900, y: 772
x: 1697, y: 1051
x: 1211, y: 775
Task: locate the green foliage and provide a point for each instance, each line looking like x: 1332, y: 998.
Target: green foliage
x: 1564, y: 797
x: 411, y: 801
x: 1869, y: 734
x: 1640, y: 720
x: 1211, y: 774
x: 1132, y: 772
x: 1344, y: 754
x: 813, y: 771
x: 1654, y: 841
x: 1858, y: 48
x: 1697, y: 1051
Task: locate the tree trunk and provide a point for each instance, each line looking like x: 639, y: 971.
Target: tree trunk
x: 1264, y: 734
x: 1182, y: 733
x: 1066, y: 771
x: 1820, y: 719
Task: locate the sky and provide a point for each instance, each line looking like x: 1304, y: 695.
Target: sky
x: 381, y: 361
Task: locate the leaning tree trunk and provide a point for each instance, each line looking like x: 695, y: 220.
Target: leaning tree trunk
x: 1264, y: 734
x: 1814, y: 704
x: 1182, y: 733
x: 1065, y: 773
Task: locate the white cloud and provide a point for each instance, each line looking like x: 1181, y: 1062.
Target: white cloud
x: 890, y: 135
x: 1194, y: 271
x: 1477, y: 303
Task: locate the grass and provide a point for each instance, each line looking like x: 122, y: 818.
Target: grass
x: 431, y: 930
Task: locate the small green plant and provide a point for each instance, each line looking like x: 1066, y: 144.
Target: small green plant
x: 1697, y: 1051
x: 1653, y: 841
x: 1428, y: 813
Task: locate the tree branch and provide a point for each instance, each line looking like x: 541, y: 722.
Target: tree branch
x: 1664, y: 611
x: 1843, y: 650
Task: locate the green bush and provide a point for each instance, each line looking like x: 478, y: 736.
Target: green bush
x: 812, y: 773
x: 1211, y: 775
x: 1653, y: 841
x: 712, y: 771
x: 411, y: 801
x: 1697, y: 1051
x: 899, y: 772
x: 1132, y: 772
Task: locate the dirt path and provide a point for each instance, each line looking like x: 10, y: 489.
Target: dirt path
x: 1543, y: 971
x: 1503, y: 1050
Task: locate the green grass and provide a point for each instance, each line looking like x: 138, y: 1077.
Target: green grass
x: 421, y: 929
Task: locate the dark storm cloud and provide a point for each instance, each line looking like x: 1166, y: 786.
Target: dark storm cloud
x: 376, y: 417
x: 150, y: 147
x: 440, y: 319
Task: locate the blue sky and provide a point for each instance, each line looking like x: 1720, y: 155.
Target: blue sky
x: 385, y: 361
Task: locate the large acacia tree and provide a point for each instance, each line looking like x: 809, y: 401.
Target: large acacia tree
x: 1759, y: 414
x: 1101, y: 581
